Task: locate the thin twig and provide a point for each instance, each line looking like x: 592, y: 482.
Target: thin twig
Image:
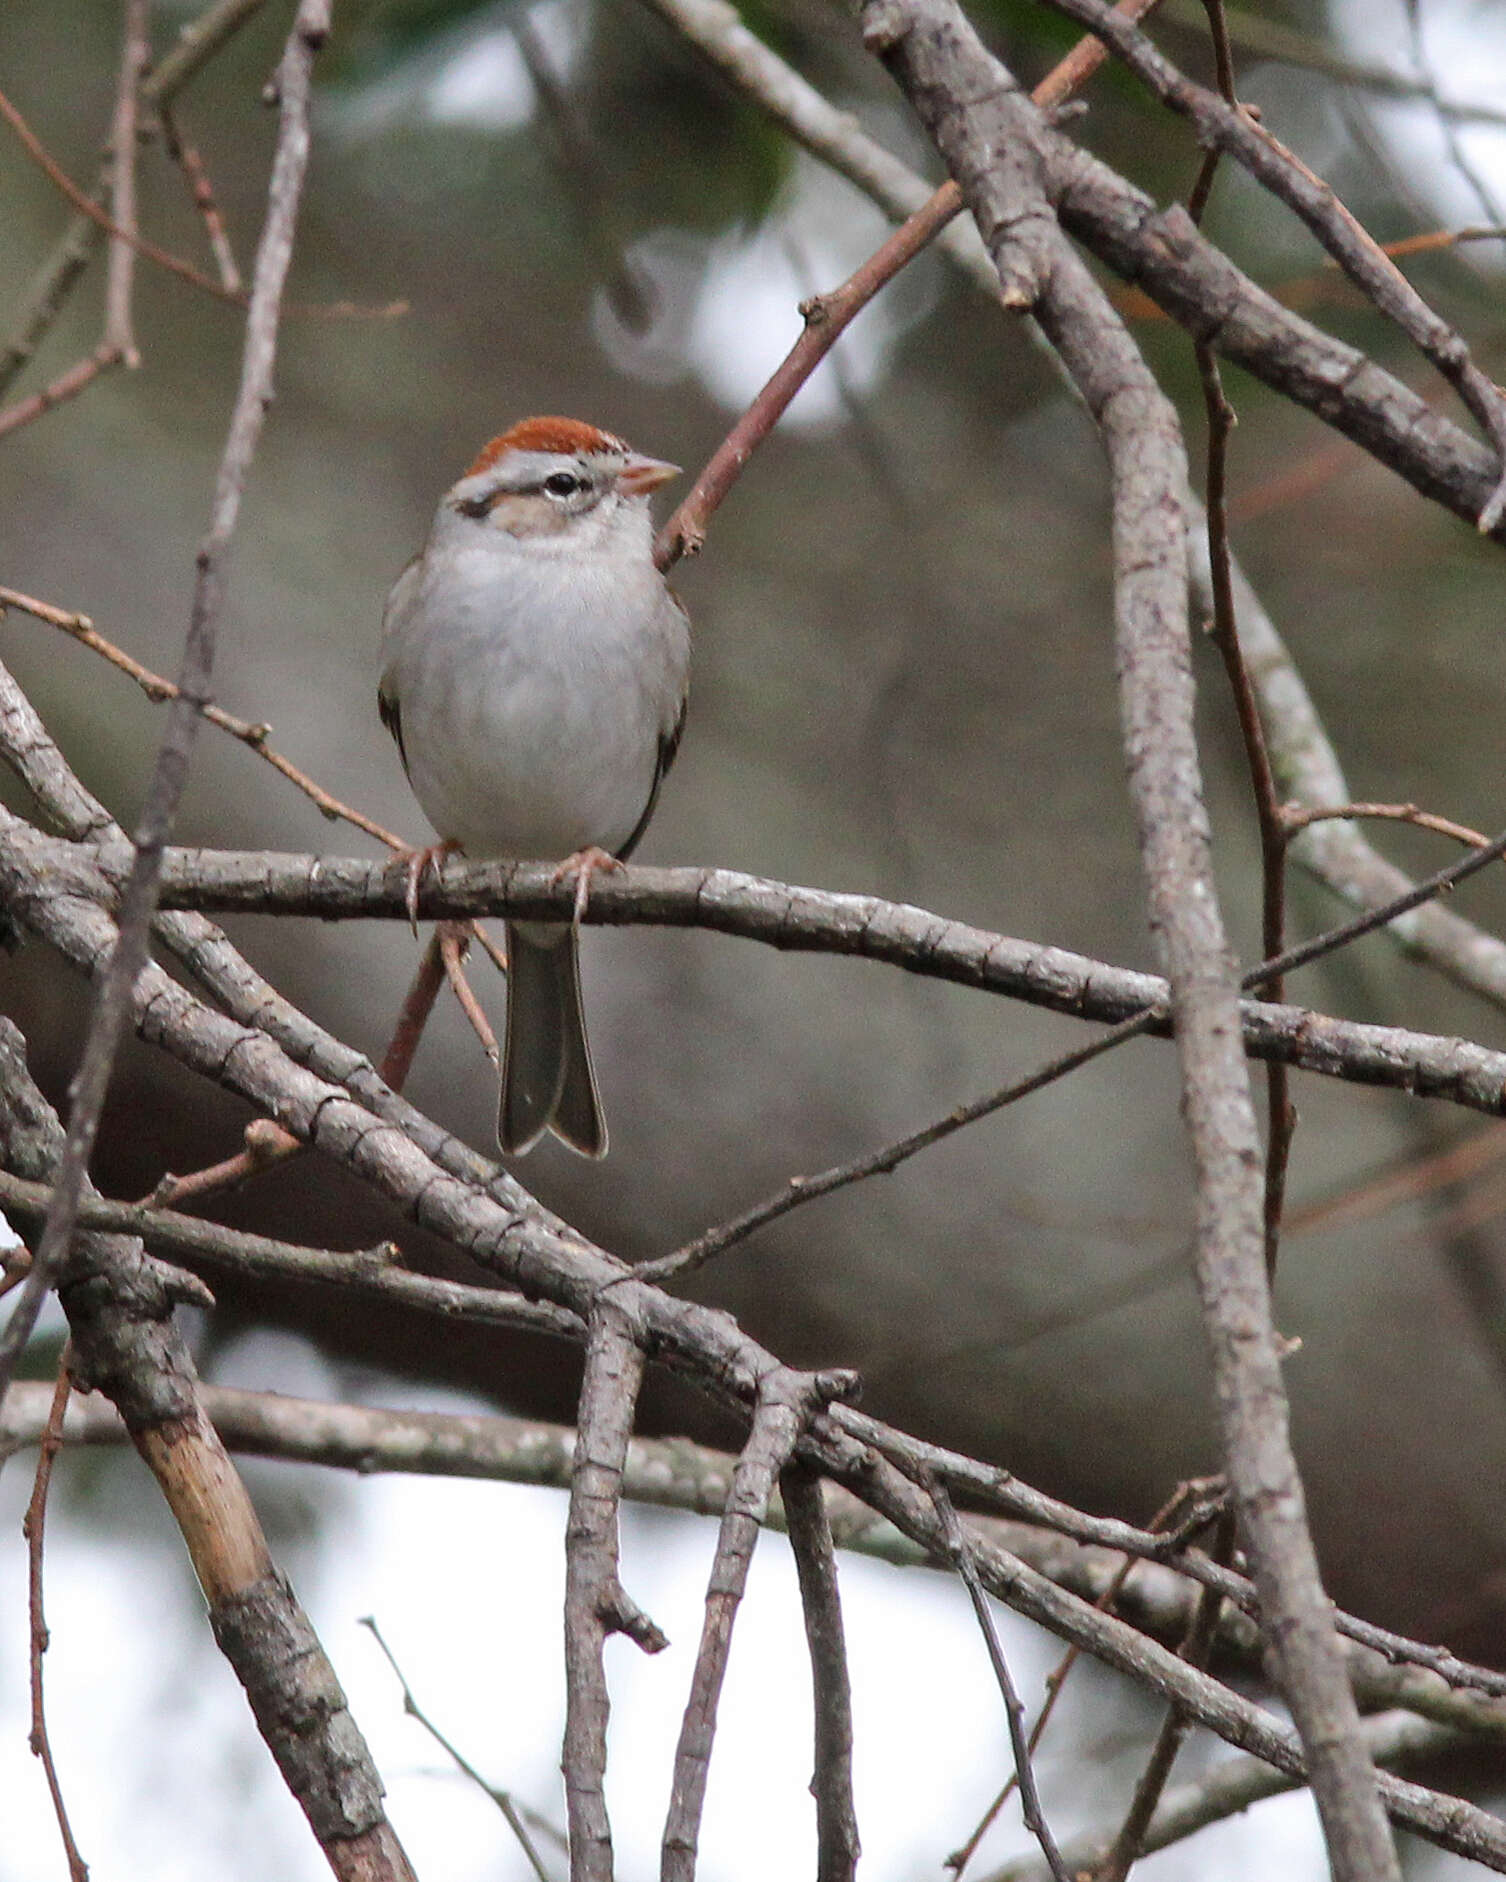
x: 1281, y: 1116
x: 1298, y: 817
x: 120, y: 1314
x: 254, y: 733
x: 185, y: 154
x: 1056, y: 1680
x: 68, y: 384
x: 161, y: 257
x: 501, y: 1798
x: 672, y: 1473
x: 1030, y: 1798
x: 197, y: 43
x: 377, y: 1272
x: 799, y: 1190
x: 271, y: 1143
x: 826, y: 316
x: 267, y: 1143
x: 1416, y: 1177
x: 589, y: 179
x: 1236, y: 1785
x: 199, y: 40
x: 32, y: 1527
x: 169, y: 774
x: 87, y: 206
x: 999, y: 151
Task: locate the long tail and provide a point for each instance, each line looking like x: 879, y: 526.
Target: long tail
x: 547, y: 1081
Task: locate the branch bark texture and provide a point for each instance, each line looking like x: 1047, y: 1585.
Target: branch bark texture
x: 996, y: 146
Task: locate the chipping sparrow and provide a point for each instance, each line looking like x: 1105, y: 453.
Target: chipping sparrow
x: 533, y: 674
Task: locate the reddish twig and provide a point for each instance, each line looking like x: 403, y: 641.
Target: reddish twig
x: 186, y: 156
x: 1295, y: 817
x: 827, y: 316
x: 165, y: 691
x: 66, y: 386
x: 1196, y: 1649
x: 32, y: 1527
x: 267, y: 1143
x: 161, y: 257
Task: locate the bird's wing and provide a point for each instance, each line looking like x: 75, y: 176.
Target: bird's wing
x: 393, y: 615
x: 669, y: 746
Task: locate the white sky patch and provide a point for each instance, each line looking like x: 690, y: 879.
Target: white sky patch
x: 728, y: 310
x: 1463, y: 45
x: 8, y: 1236
x: 168, y: 1782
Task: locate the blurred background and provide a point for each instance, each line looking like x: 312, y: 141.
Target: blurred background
x: 903, y: 684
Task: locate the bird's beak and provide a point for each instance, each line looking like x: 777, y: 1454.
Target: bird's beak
x: 639, y: 475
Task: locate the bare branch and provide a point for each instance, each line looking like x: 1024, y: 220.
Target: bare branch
x: 198, y: 41
x: 135, y: 53
x: 1222, y: 125
x: 786, y: 1402
x: 1087, y: 1555
x: 837, y: 1845
x: 1030, y: 1797
x: 596, y: 1604
x: 376, y: 1272
x: 991, y: 141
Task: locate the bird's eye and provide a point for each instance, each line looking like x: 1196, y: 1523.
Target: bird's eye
x: 563, y: 484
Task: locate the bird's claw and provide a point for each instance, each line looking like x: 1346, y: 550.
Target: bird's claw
x: 585, y: 863
x: 417, y: 865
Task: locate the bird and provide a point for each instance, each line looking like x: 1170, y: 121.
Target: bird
x: 535, y: 669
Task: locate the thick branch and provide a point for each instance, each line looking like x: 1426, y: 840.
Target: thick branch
x: 994, y: 144
x: 786, y: 1401
x: 119, y: 1305
x: 811, y: 1544
x: 596, y: 1604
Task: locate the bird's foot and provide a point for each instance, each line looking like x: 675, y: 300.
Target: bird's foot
x: 418, y: 864
x: 585, y: 863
